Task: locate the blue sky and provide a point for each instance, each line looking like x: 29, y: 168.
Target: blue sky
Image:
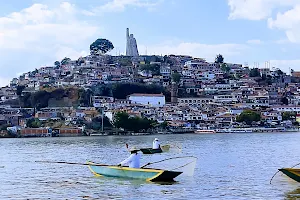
x: 36, y: 33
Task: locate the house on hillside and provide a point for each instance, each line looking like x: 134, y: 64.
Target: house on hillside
x: 153, y: 100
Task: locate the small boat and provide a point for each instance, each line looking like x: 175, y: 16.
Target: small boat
x: 204, y: 131
x: 292, y: 173
x: 154, y: 175
x: 163, y: 148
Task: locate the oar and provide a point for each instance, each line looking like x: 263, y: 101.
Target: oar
x: 70, y: 163
x: 168, y: 159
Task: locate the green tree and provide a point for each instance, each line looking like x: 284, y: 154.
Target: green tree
x: 40, y: 99
x: 65, y: 61
x: 57, y: 64
x: 254, y: 72
x: 20, y: 89
x: 288, y: 115
x: 285, y: 101
x: 219, y: 59
x: 101, y: 46
x: 33, y: 123
x: 225, y: 67
x: 176, y: 77
x: 164, y: 125
x: 154, y: 68
x: 248, y: 116
x: 85, y: 97
x: 123, y: 120
x: 96, y: 123
x: 101, y: 90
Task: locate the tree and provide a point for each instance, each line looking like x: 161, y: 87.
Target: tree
x: 96, y: 123
x: 85, y: 97
x: 40, y: 99
x: 20, y: 89
x: 219, y: 59
x: 65, y: 61
x: 57, y: 63
x: 101, y: 46
x: 248, y: 116
x: 154, y: 68
x: 176, y: 77
x: 101, y: 90
x: 225, y: 67
x: 285, y: 101
x: 279, y: 72
x: 288, y: 115
x: 123, y: 120
x: 33, y: 123
x: 254, y: 72
x: 122, y: 90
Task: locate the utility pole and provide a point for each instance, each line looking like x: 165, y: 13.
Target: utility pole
x: 102, y: 119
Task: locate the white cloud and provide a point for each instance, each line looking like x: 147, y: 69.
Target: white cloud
x: 121, y: 5
x: 257, y: 9
x: 194, y: 49
x: 44, y: 35
x: 254, y: 42
x: 289, y: 22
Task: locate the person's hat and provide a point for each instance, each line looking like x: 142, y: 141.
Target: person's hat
x: 156, y: 139
x: 133, y: 149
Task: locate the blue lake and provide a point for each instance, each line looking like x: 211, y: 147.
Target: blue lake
x: 229, y: 166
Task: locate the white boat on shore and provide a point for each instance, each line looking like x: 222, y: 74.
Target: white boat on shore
x: 204, y: 131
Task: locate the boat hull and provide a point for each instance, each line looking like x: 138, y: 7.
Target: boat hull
x: 155, y: 175
x: 292, y: 173
x: 163, y: 148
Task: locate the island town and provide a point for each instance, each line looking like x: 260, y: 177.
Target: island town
x: 101, y: 94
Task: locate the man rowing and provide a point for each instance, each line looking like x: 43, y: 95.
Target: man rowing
x: 133, y: 161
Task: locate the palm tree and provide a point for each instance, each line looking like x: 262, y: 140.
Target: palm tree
x: 219, y: 59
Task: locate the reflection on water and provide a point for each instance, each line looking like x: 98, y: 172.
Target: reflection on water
x: 293, y: 195
x: 229, y: 166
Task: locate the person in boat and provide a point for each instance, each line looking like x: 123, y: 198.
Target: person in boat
x: 156, y: 144
x: 133, y: 161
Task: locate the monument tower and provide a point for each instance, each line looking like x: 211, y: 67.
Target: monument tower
x: 131, y: 45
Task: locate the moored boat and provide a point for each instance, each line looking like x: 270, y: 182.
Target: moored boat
x: 292, y: 173
x: 204, y: 131
x: 163, y: 148
x: 154, y: 175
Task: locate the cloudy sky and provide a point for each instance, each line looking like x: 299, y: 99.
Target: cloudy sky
x: 35, y: 33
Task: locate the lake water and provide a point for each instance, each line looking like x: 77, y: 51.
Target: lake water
x: 230, y: 166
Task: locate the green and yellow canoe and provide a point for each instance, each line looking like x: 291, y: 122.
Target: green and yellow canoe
x: 292, y: 173
x: 147, y: 174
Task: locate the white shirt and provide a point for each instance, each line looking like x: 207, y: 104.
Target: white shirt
x: 155, y: 145
x: 133, y: 161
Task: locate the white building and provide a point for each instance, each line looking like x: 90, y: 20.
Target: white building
x: 154, y: 100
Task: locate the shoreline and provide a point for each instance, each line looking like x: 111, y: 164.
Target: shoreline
x: 109, y: 133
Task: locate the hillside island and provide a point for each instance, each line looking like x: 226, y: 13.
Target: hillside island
x: 134, y: 94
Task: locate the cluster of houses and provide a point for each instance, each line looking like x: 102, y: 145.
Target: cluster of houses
x: 206, y: 96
